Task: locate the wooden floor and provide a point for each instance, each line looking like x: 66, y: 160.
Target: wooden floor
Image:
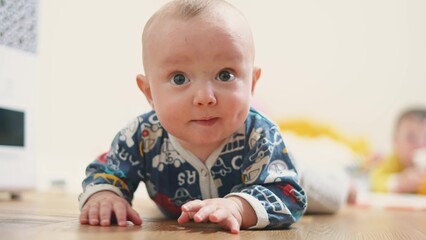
x: 55, y: 216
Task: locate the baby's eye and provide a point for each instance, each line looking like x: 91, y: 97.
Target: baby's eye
x: 225, y: 76
x: 179, y: 79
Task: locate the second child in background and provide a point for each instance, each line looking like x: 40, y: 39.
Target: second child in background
x: 403, y: 170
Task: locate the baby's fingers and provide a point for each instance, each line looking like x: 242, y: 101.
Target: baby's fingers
x: 225, y: 219
x: 84, y: 216
x: 133, y: 216
x: 189, y: 209
x: 120, y: 210
x: 193, y: 206
x: 185, y: 217
x: 204, y: 213
x: 105, y: 214
x: 90, y: 214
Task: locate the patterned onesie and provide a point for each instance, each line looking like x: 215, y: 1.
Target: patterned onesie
x: 252, y: 163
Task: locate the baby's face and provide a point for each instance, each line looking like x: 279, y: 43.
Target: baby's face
x: 201, y: 77
x: 410, y: 135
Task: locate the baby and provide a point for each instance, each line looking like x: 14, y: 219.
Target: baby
x: 403, y: 170
x: 203, y: 152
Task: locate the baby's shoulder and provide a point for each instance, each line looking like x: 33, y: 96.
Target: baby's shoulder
x: 256, y: 119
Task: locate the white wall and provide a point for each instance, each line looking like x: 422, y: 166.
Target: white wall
x: 18, y: 72
x: 352, y: 64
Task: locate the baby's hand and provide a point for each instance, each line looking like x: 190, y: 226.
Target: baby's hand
x: 226, y: 212
x: 103, y: 206
x: 409, y: 180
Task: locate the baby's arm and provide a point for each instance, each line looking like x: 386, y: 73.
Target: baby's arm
x: 270, y: 181
x: 111, y: 181
x: 103, y: 206
x: 408, y: 181
x: 231, y: 213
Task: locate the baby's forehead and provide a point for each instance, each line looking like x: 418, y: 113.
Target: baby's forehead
x: 168, y: 27
x: 412, y: 121
x: 216, y: 11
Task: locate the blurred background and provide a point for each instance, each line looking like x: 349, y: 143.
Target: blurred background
x: 353, y: 65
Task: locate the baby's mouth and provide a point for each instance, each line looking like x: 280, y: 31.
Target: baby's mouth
x: 209, y: 121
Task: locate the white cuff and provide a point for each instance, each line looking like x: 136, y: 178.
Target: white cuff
x: 90, y: 190
x: 260, y: 211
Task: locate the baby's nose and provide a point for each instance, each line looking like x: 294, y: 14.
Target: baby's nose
x: 205, y: 96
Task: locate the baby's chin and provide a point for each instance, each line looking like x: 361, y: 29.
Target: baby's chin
x: 207, y: 140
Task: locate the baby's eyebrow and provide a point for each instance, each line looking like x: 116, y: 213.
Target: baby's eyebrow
x: 229, y: 57
x: 176, y: 60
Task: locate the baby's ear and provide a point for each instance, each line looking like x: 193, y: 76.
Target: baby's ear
x: 143, y: 85
x: 256, y: 75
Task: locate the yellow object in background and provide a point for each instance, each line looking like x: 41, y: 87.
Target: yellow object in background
x: 308, y: 128
x: 422, y: 189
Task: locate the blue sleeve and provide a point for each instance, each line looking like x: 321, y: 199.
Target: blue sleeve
x: 120, y: 167
x: 270, y: 177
